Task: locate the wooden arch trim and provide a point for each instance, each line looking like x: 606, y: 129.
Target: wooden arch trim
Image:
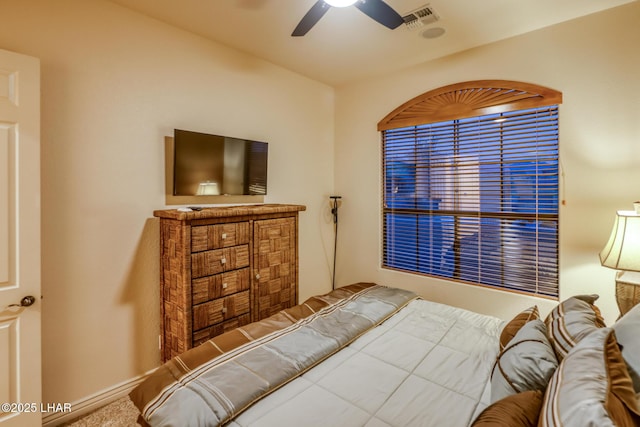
x: 469, y: 99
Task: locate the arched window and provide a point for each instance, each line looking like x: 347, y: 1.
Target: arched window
x: 470, y: 185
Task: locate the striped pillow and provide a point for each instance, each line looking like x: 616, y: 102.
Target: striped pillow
x: 514, y: 325
x: 591, y: 387
x: 527, y: 363
x: 571, y: 321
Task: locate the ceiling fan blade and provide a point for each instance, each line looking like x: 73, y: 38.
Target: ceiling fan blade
x: 381, y: 12
x: 312, y: 17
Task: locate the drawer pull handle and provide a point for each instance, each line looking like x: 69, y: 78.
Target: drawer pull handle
x: 224, y: 236
x: 224, y: 310
x: 223, y: 261
x: 224, y: 286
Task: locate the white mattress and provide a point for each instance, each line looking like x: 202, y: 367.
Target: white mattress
x: 428, y: 365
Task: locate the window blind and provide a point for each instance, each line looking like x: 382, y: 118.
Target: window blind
x: 256, y: 171
x: 475, y: 200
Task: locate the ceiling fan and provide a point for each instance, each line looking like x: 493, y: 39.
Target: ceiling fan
x: 377, y: 10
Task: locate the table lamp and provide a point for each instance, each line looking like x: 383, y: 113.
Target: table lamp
x: 622, y: 252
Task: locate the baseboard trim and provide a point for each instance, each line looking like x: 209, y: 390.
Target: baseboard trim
x: 82, y: 407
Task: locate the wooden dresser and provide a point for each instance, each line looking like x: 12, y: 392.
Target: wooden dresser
x: 224, y: 267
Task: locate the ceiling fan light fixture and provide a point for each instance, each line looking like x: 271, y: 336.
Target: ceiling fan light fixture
x: 377, y: 10
x: 340, y: 3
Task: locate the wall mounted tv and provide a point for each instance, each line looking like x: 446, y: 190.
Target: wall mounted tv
x: 207, y: 165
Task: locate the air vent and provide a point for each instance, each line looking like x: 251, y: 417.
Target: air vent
x: 420, y: 17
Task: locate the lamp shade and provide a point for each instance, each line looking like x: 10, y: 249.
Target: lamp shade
x: 622, y: 251
x: 340, y: 3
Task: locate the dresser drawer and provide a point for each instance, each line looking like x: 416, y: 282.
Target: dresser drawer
x: 207, y: 237
x: 219, y: 310
x: 220, y: 260
x: 220, y: 285
x: 207, y: 333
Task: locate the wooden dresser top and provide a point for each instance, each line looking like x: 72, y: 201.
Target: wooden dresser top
x: 228, y: 211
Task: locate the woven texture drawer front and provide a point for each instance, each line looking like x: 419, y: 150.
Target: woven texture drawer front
x: 219, y: 310
x: 220, y: 285
x: 220, y: 260
x: 207, y: 237
x: 276, y: 261
x: 204, y: 334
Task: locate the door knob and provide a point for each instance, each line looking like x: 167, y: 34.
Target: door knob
x: 25, y: 302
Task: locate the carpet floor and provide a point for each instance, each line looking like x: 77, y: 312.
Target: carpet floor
x: 120, y: 413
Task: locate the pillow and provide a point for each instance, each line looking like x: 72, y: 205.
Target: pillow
x: 517, y: 410
x: 591, y: 387
x: 514, y: 325
x: 527, y: 363
x: 571, y: 321
x: 628, y: 335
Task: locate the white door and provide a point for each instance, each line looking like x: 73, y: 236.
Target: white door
x: 20, y: 370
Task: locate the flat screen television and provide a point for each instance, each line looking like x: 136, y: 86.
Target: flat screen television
x: 206, y: 165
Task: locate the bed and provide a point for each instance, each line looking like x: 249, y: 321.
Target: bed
x: 374, y: 356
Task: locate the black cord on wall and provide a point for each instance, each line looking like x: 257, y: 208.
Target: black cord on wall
x: 334, y: 212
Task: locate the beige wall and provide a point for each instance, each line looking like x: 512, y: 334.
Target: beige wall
x: 594, y: 61
x: 114, y: 84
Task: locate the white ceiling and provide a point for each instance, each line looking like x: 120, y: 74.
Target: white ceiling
x: 345, y: 44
